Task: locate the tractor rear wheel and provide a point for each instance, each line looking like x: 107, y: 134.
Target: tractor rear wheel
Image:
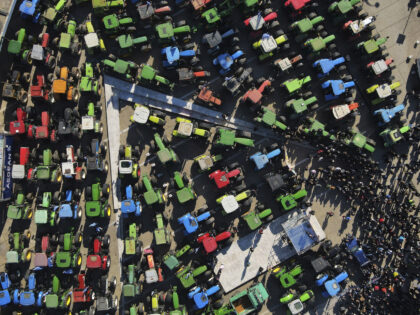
x: 105, y: 190
x: 209, y: 221
x: 106, y: 241
x: 56, y: 197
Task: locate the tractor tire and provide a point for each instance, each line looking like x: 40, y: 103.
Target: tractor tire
x: 242, y: 61
x: 153, y: 179
x: 106, y: 241
x: 76, y: 49
x: 279, y: 33
x: 121, y: 151
x: 235, y: 41
x: 26, y: 255
x: 273, y: 25
x: 105, y: 190
x: 320, y: 28
x: 201, y: 210
x: 240, y: 187
x: 218, y: 294
x: 228, y: 242
x: 312, y: 15
x: 88, y: 193
x: 239, y: 71
x: 268, y: 11
x: 285, y: 46
x: 51, y: 62
x: 22, y: 96
x: 314, y: 107
x: 260, y: 80
x: 207, y: 274
x: 194, y: 61
x: 332, y: 47
x: 55, y: 41
x: 324, y: 34
x: 269, y: 218
x: 50, y: 77
x: 245, y: 134
x: 76, y: 194
x: 56, y: 198
x: 218, y: 304
x: 78, y: 238
x: 180, y: 23
x: 138, y: 186
x: 247, y: 202
x: 210, y: 221
x: 233, y: 165
x: 75, y: 95
x: 162, y: 3
x: 26, y: 77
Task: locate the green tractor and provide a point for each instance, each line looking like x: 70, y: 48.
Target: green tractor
x: 16, y: 47
x: 161, y: 233
x: 257, y: 217
x: 57, y: 297
x: 45, y: 212
x: 164, y: 154
x: 144, y: 115
x: 69, y: 255
x: 97, y: 201
x: 316, y: 45
x: 306, y: 25
x: 341, y: 9
x: 114, y: 24
x: 125, y: 69
x: 50, y: 14
x: 21, y: 209
x: 89, y: 81
x: 248, y: 301
x: 48, y: 170
x: 19, y: 251
x: 184, y: 193
x: 393, y: 136
x: 372, y: 46
x: 128, y: 44
x: 295, y: 85
x: 297, y: 107
x: 151, y: 196
x: 102, y: 7
x: 149, y: 76
x: 128, y: 161
x: 68, y: 40
x: 357, y: 140
x: 132, y: 243
x: 91, y: 121
x: 171, y: 259
x: 269, y: 118
x: 168, y: 31
x: 186, y: 128
x: 228, y: 138
x: 314, y: 127
x: 288, y: 278
x: 188, y: 275
x: 291, y: 201
x: 131, y: 287
x: 214, y: 16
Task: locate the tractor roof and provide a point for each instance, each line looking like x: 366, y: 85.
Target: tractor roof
x: 150, y: 197
x: 63, y: 259
x: 41, y: 216
x: 12, y: 257
x: 161, y: 236
x: 359, y: 140
x: 129, y: 290
x: 40, y: 260
x: 14, y: 47
x: 93, y: 208
x: 305, y: 25
x: 147, y: 73
x: 65, y: 211
x: 121, y: 66
x: 130, y: 246
x: 51, y: 301
x: 14, y: 212
x: 59, y: 86
x: 65, y: 40
x: 226, y: 137
x: 269, y: 117
x: 165, y: 30
x: 253, y: 220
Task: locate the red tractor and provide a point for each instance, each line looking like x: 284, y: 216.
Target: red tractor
x: 42, y: 132
x: 254, y: 95
x: 223, y: 178
x: 206, y: 96
x: 70, y: 166
x: 98, y: 258
x: 297, y: 6
x: 40, y: 90
x: 24, y: 156
x: 42, y: 53
x: 153, y: 273
x: 210, y: 242
x: 262, y: 21
x: 18, y: 126
x: 83, y: 293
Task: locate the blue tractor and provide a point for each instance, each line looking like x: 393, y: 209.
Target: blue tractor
x: 129, y: 205
x: 385, y: 115
x: 215, y: 39
x: 28, y: 9
x: 173, y: 57
x: 261, y: 159
x: 334, y: 89
x: 191, y: 223
x: 201, y: 296
x: 332, y: 287
x: 325, y: 66
x: 226, y: 61
x: 28, y: 297
x: 353, y: 247
x: 70, y: 209
x: 4, y: 292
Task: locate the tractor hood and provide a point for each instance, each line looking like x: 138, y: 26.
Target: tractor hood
x: 41, y: 216
x: 93, y: 208
x: 65, y: 211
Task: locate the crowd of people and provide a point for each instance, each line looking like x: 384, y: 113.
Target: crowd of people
x: 381, y: 199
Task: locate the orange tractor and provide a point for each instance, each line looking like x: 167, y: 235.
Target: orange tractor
x: 65, y: 86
